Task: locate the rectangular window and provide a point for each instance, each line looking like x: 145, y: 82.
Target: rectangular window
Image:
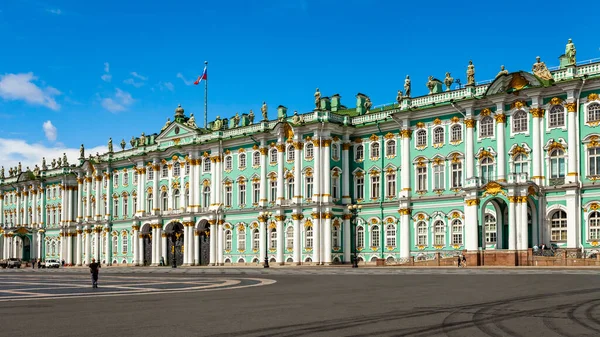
x: 255, y: 192
x: 421, y: 178
x: 150, y: 174
x: 242, y: 188
x: 594, y: 161
x: 335, y: 187
x: 309, y: 187
x: 125, y: 244
x: 360, y: 188
x: 438, y: 177
x: 457, y: 175
x: 273, y: 191
x: 375, y: 187
x: 290, y: 188
x: 228, y: 195
x: 391, y: 185
x: 335, y: 237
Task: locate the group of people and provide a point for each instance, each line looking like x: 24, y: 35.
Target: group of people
x: 461, y: 261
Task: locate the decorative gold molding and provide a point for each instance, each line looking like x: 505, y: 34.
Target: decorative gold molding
x: 470, y: 123
x: 500, y: 118
x: 472, y: 202
x: 556, y: 101
x: 593, y: 97
x: 485, y: 112
x: 405, y: 211
x: 571, y: 107
x: 406, y: 133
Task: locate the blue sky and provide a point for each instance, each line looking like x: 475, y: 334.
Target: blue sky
x: 80, y: 71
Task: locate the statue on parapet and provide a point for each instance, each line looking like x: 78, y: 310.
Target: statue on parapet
x: 142, y: 141
x: 58, y: 162
x: 399, y: 97
x: 44, y: 166
x: 368, y: 105
x: 570, y: 52
x: 81, y: 151
x: 110, y: 145
x: 540, y: 70
x: 236, y: 120
x: 217, y: 124
x: 502, y: 71
x: 2, y: 172
x: 19, y: 168
x: 264, y: 110
x: 407, y: 86
x: 251, y: 117
x: 123, y: 144
x: 166, y: 125
x: 430, y: 85
x: 10, y: 171
x: 36, y: 170
x: 132, y: 142
x: 53, y: 163
x: 448, y: 81
x: 192, y: 122
x: 471, y: 73
x: 317, y: 99
x: 66, y: 163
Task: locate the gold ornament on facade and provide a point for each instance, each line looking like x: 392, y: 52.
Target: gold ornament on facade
x: 438, y: 247
x: 346, y: 216
x: 280, y: 147
x: 556, y: 145
x: 519, y: 150
x: 421, y: 162
x: 454, y: 119
x: 421, y: 247
x: 255, y: 147
x: 571, y: 107
x: 518, y: 104
x: 537, y: 112
x: 327, y: 142
x: 358, y: 140
x: 493, y: 188
x: 297, y: 216
x: 556, y: 101
x: 263, y: 151
x: 280, y: 217
x: 593, y: 142
x: 485, y: 154
x: 346, y: 146
x: 470, y: 123
x: 472, y: 202
x: 437, y: 121
x: 438, y: 161
x: 593, y: 97
x: 308, y: 223
x: 315, y: 215
x: 327, y: 215
x: 420, y: 125
x: 500, y: 118
x: 316, y: 142
x: 485, y: 112
x: 406, y: 133
x: 531, y: 191
x: 405, y: 211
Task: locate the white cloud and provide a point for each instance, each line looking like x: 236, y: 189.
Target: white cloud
x: 134, y: 74
x: 166, y: 86
x: 180, y: 75
x: 55, y: 11
x: 106, y: 77
x: 50, y: 131
x: 13, y: 151
x: 20, y: 87
x: 131, y: 81
x: 119, y: 103
x: 106, y: 67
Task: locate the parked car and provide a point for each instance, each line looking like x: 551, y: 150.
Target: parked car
x: 51, y: 264
x: 14, y: 263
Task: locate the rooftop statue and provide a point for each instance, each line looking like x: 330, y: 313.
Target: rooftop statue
x: 98, y: 156
x: 192, y: 122
x: 36, y: 170
x: 123, y: 144
x: 10, y: 171
x: 132, y: 141
x: 110, y: 145
x: 430, y: 85
x: 251, y: 117
x: 166, y: 125
x: 448, y: 81
x: 399, y: 97
x: 44, y: 166
x: 295, y: 118
x: 502, y: 71
x: 317, y: 98
x: 368, y: 105
x: 407, y: 86
x: 570, y: 52
x: 2, y: 172
x: 20, y: 168
x: 81, y: 151
x: 142, y: 141
x: 236, y: 120
x: 540, y: 70
x: 53, y: 163
x: 471, y: 73
x: 66, y: 163
x: 217, y: 124
x: 264, y: 110
x: 58, y: 162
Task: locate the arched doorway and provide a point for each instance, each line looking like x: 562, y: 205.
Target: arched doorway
x: 203, y: 228
x: 493, y: 224
x: 26, y: 242
x: 146, y: 233
x: 175, y: 243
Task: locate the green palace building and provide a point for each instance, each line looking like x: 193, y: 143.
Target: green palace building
x: 504, y: 165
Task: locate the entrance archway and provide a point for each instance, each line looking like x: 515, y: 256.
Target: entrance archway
x: 493, y: 224
x: 175, y: 243
x: 146, y: 233
x: 203, y: 228
x: 26, y: 242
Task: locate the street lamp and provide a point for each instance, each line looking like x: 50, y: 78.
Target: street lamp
x: 354, y: 209
x: 266, y: 216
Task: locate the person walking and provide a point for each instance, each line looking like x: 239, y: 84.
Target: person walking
x: 458, y: 261
x: 94, y: 269
x: 33, y: 264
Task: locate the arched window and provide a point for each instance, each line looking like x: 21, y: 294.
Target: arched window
x: 255, y: 240
x: 335, y: 151
x: 309, y: 237
x: 558, y: 226
x: 150, y: 176
x: 256, y: 158
x: 521, y: 164
x: 242, y: 193
x: 439, y: 232
x: 290, y: 188
x: 149, y: 202
x: 421, y: 138
x: 115, y: 179
x: 456, y: 133
x: 164, y: 201
x: 490, y: 228
x: 273, y: 156
x: 439, y: 176
x: 273, y: 239
x: 359, y: 154
x: 241, y: 239
x: 375, y: 236
x: 116, y: 207
x: 486, y: 127
x: 390, y: 236
x: 457, y: 232
x: 422, y: 178
x: 125, y: 243
x: 438, y: 135
x: 165, y: 171
x: 115, y: 244
x: 556, y: 116
x: 176, y: 169
x: 487, y: 169
x: 187, y: 197
x: 593, y: 112
x: 125, y: 178
x: 594, y: 161
x: 206, y: 165
x: 374, y: 150
x: 228, y: 238
x: 135, y: 204
x: 242, y: 160
x: 594, y: 225
x: 519, y: 120
x: 557, y: 164
x: 421, y: 233
x: 308, y: 150
x: 228, y: 163
x: 335, y: 237
x: 125, y: 206
x: 291, y: 153
x: 206, y: 194
x: 390, y: 148
x: 176, y: 199
x: 360, y: 237
x: 289, y: 238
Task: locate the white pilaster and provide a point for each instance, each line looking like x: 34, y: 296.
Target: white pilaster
x: 316, y: 258
x: 107, y: 246
x: 98, y: 214
x: 162, y: 251
x: 471, y: 224
x: 347, y: 240
x: 135, y: 243
x: 213, y: 242
x: 18, y: 207
x: 469, y: 162
x: 405, y: 232
x: 298, y: 181
x: 155, y: 197
x: 327, y: 235
x: 501, y: 142
x: 296, y: 217
x: 346, y: 199
x: 326, y: 187
x: 572, y: 171
x: 220, y: 241
x: 406, y: 166
x: 140, y: 249
x: 88, y: 246
x: 512, y: 223
x: 79, y: 198
x: 78, y: 247
x: 263, y: 237
x: 522, y: 223
x: 280, y: 176
x: 69, y: 249
x: 573, y: 231
x: 263, y: 174
x: 280, y: 239
x: 196, y: 247
x: 40, y: 240
x: 25, y: 207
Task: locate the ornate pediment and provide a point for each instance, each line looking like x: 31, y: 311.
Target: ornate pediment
x: 176, y: 134
x: 512, y: 82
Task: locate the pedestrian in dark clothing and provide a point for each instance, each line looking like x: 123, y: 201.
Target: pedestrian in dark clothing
x: 464, y: 261
x: 33, y: 264
x: 458, y: 262
x: 94, y: 269
x: 39, y: 263
x: 62, y: 263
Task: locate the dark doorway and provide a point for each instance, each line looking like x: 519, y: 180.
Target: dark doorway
x: 204, y: 244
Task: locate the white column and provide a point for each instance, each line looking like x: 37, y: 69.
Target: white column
x: 190, y: 247
x: 280, y: 176
x: 512, y: 222
x: 213, y: 242
x: 500, y: 142
x: 469, y: 162
x: 298, y: 181
x: 537, y: 151
x: 69, y: 248
x: 34, y: 212
x: 326, y: 185
x: 98, y: 245
x: 220, y: 247
x: 346, y: 199
x: 280, y: 239
x: 196, y: 247
x: 163, y: 245
x: 522, y: 223
x: 213, y: 181
x: 573, y: 230
x: 98, y: 214
x: 88, y: 196
x: 140, y: 250
x: 88, y: 246
x: 327, y: 237
x: 1, y: 208
x: 347, y: 239
x: 18, y: 208
x: 572, y: 171
x: 406, y: 165
x: 471, y: 225
x: 296, y: 217
x: 263, y: 175
x: 155, y: 194
x: 78, y: 247
x: 108, y: 247
x: 192, y: 182
x: 155, y: 244
x: 405, y: 232
x: 40, y: 241
x: 317, y: 173
x: 79, y: 197
x: 25, y: 207
x: 316, y: 236
x: 196, y: 187
x: 263, y: 237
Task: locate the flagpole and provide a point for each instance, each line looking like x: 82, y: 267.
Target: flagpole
x: 206, y: 96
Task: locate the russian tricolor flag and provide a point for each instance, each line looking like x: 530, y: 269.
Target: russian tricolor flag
x: 200, y: 78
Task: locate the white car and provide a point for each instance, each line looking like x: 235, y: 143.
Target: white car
x: 51, y: 264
